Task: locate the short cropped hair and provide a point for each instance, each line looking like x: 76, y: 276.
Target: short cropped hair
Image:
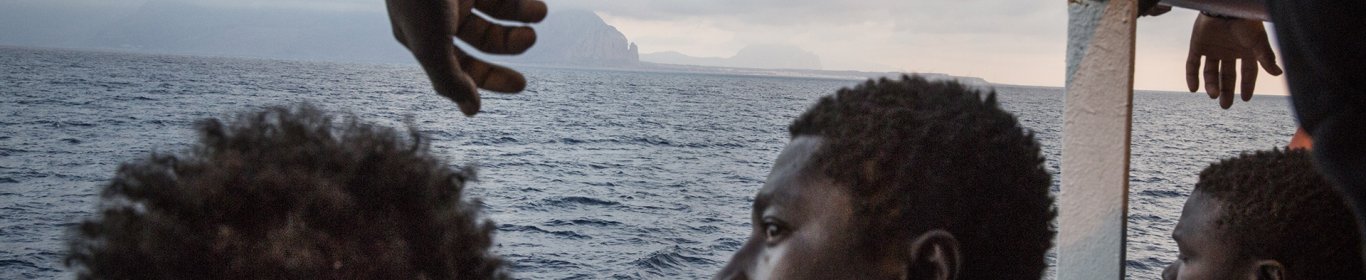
x: 288, y: 193
x: 1277, y: 206
x: 920, y: 155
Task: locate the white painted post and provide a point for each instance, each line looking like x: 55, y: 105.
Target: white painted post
x: 1095, y: 150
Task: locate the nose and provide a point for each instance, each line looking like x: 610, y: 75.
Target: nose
x: 730, y: 274
x: 1171, y: 272
x: 739, y: 265
x: 732, y: 271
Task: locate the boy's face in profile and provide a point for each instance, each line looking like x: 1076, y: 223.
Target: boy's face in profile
x: 803, y: 226
x: 1206, y: 250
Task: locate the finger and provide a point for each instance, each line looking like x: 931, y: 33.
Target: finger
x: 1212, y: 77
x: 1226, y: 98
x: 452, y: 84
x: 1228, y: 79
x: 1225, y: 84
x: 1267, y: 58
x: 455, y: 85
x: 425, y: 31
x: 443, y: 70
x: 470, y: 105
x: 529, y: 11
x: 1160, y: 9
x: 489, y: 76
x: 1249, y: 78
x: 494, y: 38
x: 1192, y: 71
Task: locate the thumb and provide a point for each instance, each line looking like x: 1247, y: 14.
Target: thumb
x: 1267, y: 58
x: 465, y: 94
x: 457, y: 86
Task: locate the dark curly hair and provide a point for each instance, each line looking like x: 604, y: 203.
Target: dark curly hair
x: 1277, y: 206
x: 288, y: 193
x: 921, y: 155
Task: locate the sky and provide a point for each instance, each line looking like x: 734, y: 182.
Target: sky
x: 1003, y: 41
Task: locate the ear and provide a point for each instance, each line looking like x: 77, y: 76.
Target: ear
x: 1269, y: 270
x: 934, y: 255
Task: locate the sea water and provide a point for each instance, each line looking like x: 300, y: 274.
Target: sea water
x: 589, y: 174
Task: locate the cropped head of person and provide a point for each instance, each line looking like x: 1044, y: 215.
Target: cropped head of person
x: 902, y: 179
x: 1265, y: 215
x: 288, y: 193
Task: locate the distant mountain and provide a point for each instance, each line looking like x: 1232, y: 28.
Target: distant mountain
x: 578, y: 38
x: 763, y: 56
x: 777, y: 57
x: 677, y: 58
x: 973, y: 82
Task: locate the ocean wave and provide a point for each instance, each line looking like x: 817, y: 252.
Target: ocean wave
x: 727, y: 244
x: 1162, y: 193
x: 647, y: 141
x: 578, y: 200
x: 539, y: 263
x: 670, y: 260
x: 582, y: 222
x: 534, y: 229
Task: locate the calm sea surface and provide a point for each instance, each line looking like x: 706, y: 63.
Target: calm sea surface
x: 589, y: 174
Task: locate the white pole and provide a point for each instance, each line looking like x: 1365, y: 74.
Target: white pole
x: 1095, y: 150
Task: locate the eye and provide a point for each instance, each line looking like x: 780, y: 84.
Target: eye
x: 774, y: 230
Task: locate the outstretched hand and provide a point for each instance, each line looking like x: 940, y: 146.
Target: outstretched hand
x: 1222, y: 41
x: 426, y: 27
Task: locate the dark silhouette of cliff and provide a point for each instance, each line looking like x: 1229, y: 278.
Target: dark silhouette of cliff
x: 578, y: 38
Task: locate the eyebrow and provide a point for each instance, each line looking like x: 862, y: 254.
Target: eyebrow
x: 761, y: 202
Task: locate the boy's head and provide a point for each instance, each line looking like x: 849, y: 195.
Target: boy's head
x: 908, y: 178
x: 1265, y: 215
x: 288, y: 194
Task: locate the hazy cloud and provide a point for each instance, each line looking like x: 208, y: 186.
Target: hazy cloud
x: 321, y: 5
x: 1007, y: 41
